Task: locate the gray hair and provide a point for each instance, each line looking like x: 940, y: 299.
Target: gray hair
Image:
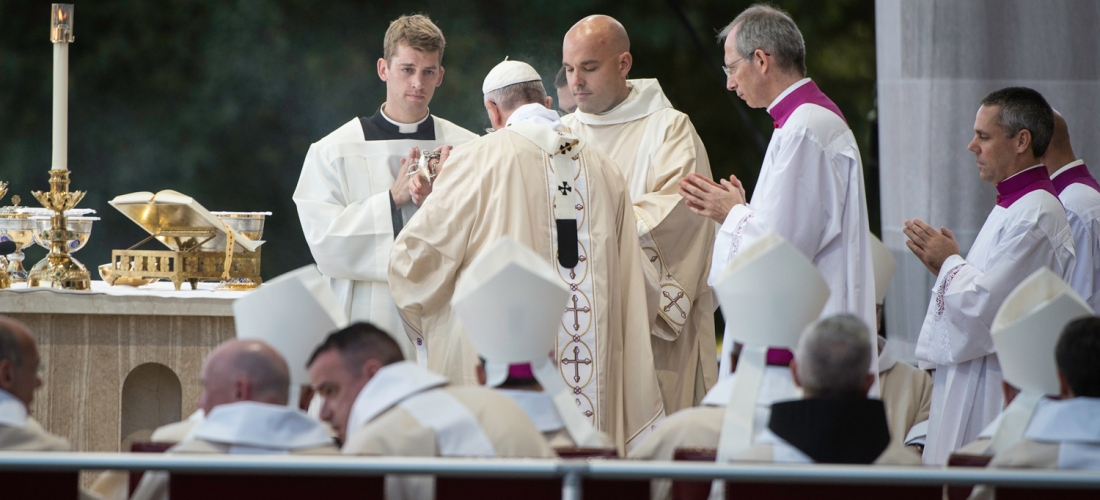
x: 516, y: 95
x: 1024, y: 108
x: 9, y: 342
x: 268, y: 375
x: 772, y: 30
x: 834, y: 356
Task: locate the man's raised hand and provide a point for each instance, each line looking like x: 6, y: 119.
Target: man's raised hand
x: 932, y: 247
x: 711, y: 199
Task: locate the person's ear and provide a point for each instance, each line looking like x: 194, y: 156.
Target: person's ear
x: 440, y: 82
x: 626, y: 61
x: 794, y: 373
x: 549, y: 102
x: 761, y: 61
x: 383, y: 67
x: 1063, y: 386
x: 1023, y: 141
x: 370, y: 368
x: 494, y: 115
x: 7, y: 374
x: 481, y: 377
x: 868, y: 381
x: 242, y: 390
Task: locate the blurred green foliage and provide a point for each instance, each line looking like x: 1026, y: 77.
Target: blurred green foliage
x: 221, y: 99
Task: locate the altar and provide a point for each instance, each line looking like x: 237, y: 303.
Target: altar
x: 118, y: 361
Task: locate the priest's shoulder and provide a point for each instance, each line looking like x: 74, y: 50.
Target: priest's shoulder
x: 1027, y: 454
x: 351, y: 131
x: 452, y: 133
x: 825, y: 125
x: 1082, y: 200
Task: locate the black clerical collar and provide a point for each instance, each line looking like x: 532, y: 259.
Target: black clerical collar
x: 378, y: 128
x: 833, y: 430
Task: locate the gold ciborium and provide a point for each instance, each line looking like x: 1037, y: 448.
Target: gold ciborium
x: 59, y: 269
x: 16, y: 226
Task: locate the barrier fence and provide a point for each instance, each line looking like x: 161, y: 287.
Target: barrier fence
x: 570, y: 472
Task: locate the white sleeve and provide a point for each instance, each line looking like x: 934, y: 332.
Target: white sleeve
x: 1084, y: 231
x: 348, y: 240
x: 965, y: 299
x: 795, y: 198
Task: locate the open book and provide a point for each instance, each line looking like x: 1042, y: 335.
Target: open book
x: 169, y: 210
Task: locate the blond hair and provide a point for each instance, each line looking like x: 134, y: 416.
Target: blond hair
x: 417, y: 32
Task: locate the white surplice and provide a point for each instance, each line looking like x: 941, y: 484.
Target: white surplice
x: 344, y: 205
x: 955, y: 339
x: 1082, y: 204
x: 655, y: 146
x: 810, y: 191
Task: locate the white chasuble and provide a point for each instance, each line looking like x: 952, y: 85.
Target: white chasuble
x: 503, y: 184
x: 654, y: 147
x: 810, y: 191
x: 1026, y: 231
x: 347, y: 214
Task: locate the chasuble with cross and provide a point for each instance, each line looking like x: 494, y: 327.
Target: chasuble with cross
x: 504, y: 184
x: 654, y: 147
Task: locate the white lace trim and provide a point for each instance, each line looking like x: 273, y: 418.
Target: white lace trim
x: 940, y: 341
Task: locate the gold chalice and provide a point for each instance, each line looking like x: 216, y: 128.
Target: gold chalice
x: 251, y: 226
x: 16, y: 226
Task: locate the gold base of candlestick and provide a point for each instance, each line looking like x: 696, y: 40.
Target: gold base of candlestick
x: 59, y: 269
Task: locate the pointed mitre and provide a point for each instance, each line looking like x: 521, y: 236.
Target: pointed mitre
x: 882, y: 260
x: 293, y: 313
x: 769, y: 292
x: 510, y: 302
x: 1027, y: 326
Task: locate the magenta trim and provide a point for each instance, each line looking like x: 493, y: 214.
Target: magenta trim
x: 520, y: 371
x: 1015, y: 187
x: 1079, y: 175
x: 806, y: 94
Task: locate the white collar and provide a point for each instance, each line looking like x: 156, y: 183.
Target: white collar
x: 794, y: 86
x: 886, y: 358
x: 535, y: 113
x: 404, y: 128
x: 13, y: 413
x: 644, y: 99
x: 262, y: 425
x: 1074, y: 420
x: 1067, y: 167
x: 539, y: 407
x: 392, y: 384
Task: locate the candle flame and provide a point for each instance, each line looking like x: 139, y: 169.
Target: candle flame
x: 61, y: 15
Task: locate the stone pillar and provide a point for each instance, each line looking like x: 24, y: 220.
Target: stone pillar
x: 936, y: 60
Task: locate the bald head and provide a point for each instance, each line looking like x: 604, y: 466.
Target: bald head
x: 596, y: 57
x: 1059, y: 153
x: 18, y: 360
x: 244, y: 370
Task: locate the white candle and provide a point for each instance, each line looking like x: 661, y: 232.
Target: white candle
x: 60, y: 106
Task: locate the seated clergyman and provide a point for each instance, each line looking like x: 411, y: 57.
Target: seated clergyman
x: 245, y: 389
x: 18, y: 380
x: 380, y: 404
x: 834, y: 422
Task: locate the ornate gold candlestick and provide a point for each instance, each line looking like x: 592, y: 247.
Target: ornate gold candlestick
x: 59, y: 269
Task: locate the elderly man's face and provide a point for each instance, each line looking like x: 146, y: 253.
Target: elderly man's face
x: 340, y: 386
x: 994, y: 153
x: 744, y: 76
x: 21, y: 381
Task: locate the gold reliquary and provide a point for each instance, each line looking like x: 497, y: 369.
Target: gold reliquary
x: 202, y: 246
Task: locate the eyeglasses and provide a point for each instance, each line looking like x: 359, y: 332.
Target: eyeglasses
x: 728, y: 68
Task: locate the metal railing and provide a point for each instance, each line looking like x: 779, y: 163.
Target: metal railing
x: 571, y: 472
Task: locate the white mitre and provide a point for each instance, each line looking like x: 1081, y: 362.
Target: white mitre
x: 769, y: 293
x: 510, y: 301
x: 1027, y: 326
x: 1025, y: 332
x: 293, y: 313
x: 882, y: 260
x: 509, y: 73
